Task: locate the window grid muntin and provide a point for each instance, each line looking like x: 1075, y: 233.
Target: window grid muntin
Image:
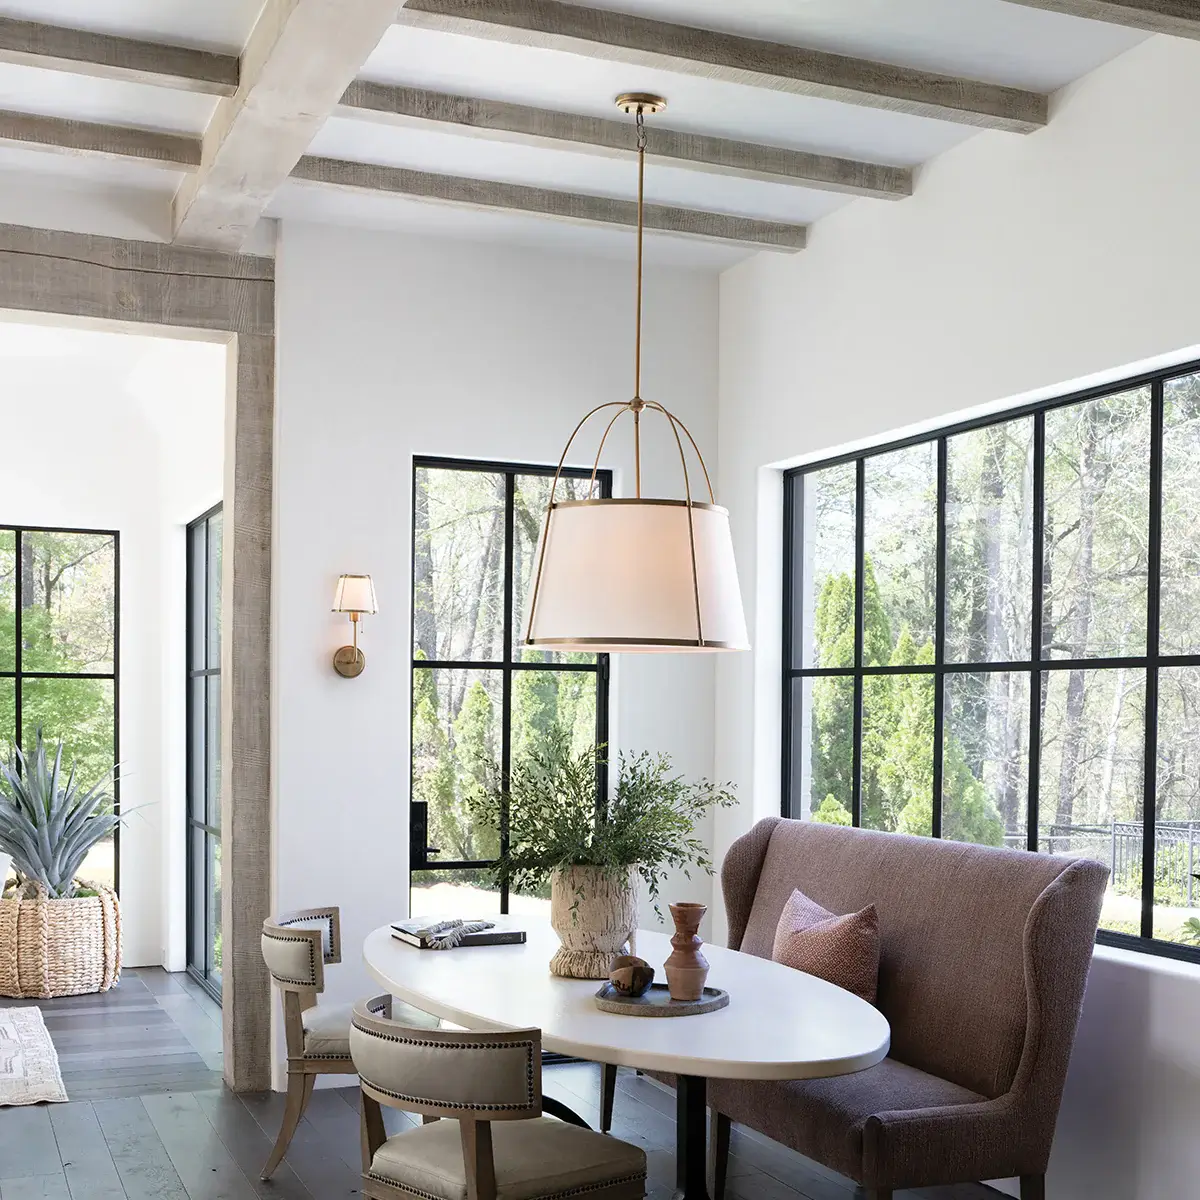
x: 198, y: 650
x: 1037, y: 665
x: 19, y: 675
x: 505, y: 665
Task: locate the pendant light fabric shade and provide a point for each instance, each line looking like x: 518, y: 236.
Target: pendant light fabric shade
x: 617, y: 575
x: 636, y: 574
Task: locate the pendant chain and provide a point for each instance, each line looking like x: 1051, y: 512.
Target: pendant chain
x: 637, y: 344
x: 637, y: 341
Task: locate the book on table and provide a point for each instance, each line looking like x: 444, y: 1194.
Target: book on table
x: 430, y: 933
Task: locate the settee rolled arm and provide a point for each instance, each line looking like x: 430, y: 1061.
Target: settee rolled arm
x: 740, y: 873
x: 1012, y: 1134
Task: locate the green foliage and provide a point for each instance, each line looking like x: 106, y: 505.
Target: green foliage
x: 1170, y: 875
x: 555, y: 821
x: 475, y: 749
x: 535, y: 705
x: 831, y: 811
x: 968, y: 814
x: 67, y: 626
x: 1190, y: 931
x: 46, y: 825
x: 897, y: 730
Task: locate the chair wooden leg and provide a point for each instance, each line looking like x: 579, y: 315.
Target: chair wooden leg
x: 1033, y: 1187
x: 608, y: 1094
x: 879, y: 1194
x: 372, y: 1134
x: 718, y: 1153
x: 299, y: 1089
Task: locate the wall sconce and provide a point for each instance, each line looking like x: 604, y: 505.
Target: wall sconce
x: 355, y: 595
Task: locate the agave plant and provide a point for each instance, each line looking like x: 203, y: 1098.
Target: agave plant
x: 48, y: 826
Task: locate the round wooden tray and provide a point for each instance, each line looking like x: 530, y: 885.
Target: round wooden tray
x: 657, y: 1002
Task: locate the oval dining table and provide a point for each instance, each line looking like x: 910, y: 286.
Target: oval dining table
x: 779, y: 1023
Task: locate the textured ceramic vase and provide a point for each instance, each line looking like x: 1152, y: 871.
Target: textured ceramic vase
x: 687, y: 968
x: 595, y: 913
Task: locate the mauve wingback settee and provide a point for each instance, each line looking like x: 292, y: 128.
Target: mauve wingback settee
x: 984, y: 959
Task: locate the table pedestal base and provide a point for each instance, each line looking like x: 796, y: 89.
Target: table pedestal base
x: 691, y: 1120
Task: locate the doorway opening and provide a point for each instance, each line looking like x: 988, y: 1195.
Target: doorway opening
x: 125, y: 445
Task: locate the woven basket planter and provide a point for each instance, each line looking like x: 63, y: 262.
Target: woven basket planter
x: 59, y: 947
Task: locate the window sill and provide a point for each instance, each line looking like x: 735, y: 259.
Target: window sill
x: 1147, y: 960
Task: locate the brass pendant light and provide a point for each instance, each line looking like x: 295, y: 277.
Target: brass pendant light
x: 636, y: 574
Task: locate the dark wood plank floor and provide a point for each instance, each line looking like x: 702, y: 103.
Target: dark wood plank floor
x: 149, y: 1120
x: 152, y: 1033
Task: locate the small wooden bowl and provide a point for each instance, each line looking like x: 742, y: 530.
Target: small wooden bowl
x: 631, y: 976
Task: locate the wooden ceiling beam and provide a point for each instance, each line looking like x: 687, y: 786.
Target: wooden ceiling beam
x: 497, y: 120
x: 481, y: 194
x: 1180, y: 18
x: 103, y: 56
x: 619, y: 37
x: 172, y: 150
x: 301, y: 57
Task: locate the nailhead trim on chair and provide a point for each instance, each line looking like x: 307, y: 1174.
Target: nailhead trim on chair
x: 581, y: 1190
x: 312, y: 958
x: 525, y: 1045
x: 327, y: 917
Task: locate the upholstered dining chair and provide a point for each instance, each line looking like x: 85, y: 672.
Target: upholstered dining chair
x: 495, y: 1140
x: 297, y: 946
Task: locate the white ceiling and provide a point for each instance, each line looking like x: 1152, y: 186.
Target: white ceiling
x: 108, y: 101
x: 572, y: 83
x: 445, y: 153
x: 302, y: 201
x: 988, y: 40
x: 221, y: 25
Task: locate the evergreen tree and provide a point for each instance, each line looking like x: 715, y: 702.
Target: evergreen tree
x: 897, y: 729
x: 832, y: 812
x: 833, y: 699
x: 475, y: 754
x: 433, y: 765
x: 906, y: 766
x: 535, y: 710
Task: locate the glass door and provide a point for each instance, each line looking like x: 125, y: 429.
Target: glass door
x: 479, y: 697
x: 204, y: 749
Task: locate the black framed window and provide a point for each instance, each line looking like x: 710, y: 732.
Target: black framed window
x: 479, y: 697
x: 203, y: 684
x: 60, y: 655
x: 992, y: 634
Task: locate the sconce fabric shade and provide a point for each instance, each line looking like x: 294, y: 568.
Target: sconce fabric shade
x: 617, y: 575
x: 355, y: 594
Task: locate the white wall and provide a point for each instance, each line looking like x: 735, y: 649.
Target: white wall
x: 1021, y: 263
x: 391, y: 346
x: 116, y: 431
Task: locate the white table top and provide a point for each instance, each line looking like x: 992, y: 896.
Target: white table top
x: 779, y: 1023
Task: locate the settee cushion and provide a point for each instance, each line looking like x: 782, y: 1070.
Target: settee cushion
x: 842, y: 950
x: 824, y: 1118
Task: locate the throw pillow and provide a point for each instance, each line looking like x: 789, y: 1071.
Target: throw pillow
x: 839, y: 949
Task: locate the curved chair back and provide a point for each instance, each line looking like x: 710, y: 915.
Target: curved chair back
x: 297, y: 945
x: 447, y: 1073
